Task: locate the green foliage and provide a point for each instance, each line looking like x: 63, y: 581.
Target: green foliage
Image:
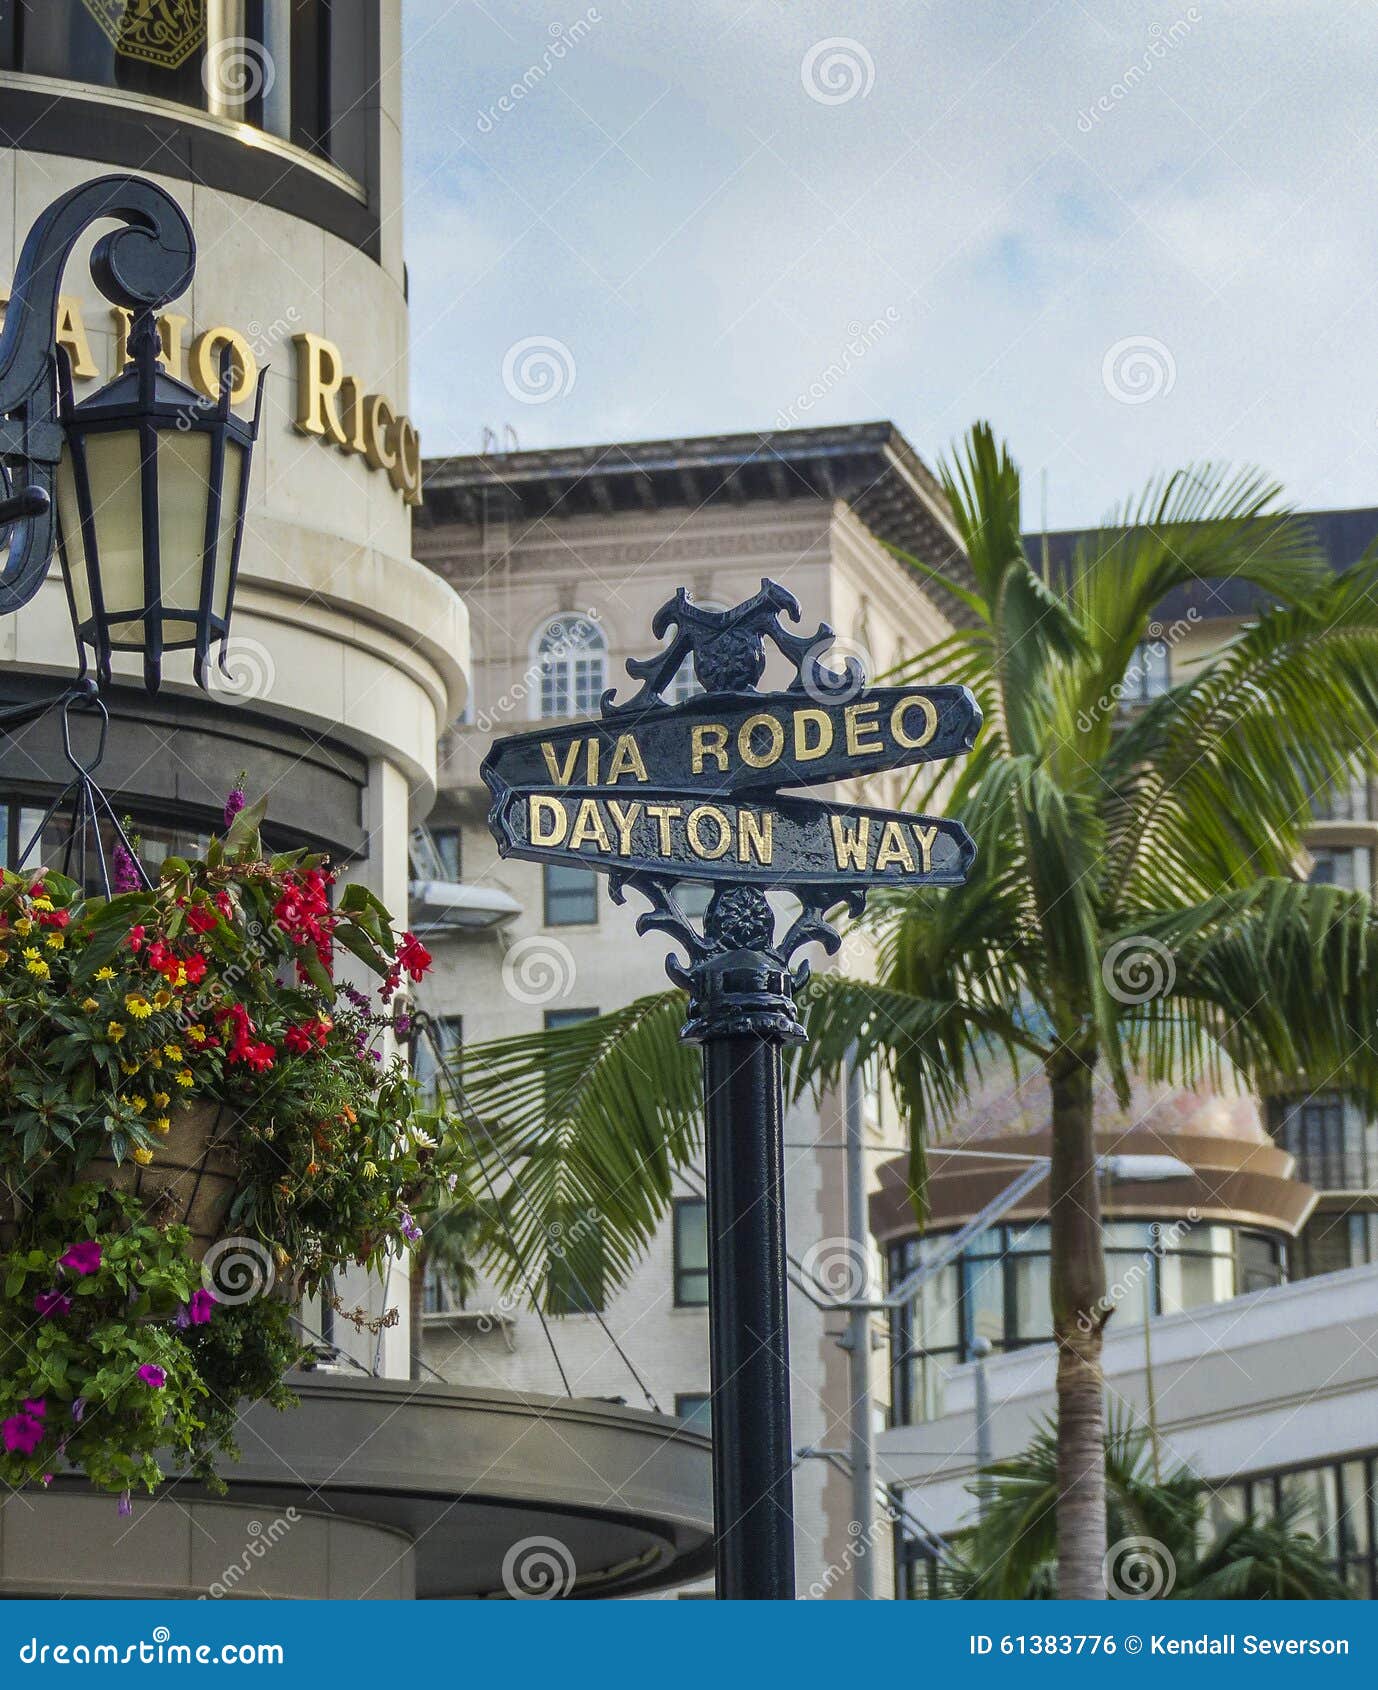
x: 1012, y: 1553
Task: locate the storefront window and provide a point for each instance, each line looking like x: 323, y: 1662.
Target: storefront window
x: 294, y: 68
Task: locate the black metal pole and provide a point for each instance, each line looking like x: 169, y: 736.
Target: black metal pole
x: 753, y: 1489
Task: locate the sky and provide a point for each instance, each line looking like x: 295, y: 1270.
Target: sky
x: 1130, y: 236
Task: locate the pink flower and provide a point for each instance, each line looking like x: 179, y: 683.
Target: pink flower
x: 81, y: 1258
x: 152, y: 1376
x: 201, y: 1307
x: 22, y: 1433
x: 51, y: 1303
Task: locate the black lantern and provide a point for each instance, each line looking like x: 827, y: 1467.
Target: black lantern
x: 151, y: 490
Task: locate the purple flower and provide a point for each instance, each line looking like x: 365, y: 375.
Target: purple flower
x: 22, y: 1433
x: 152, y: 1376
x: 52, y: 1303
x: 125, y: 876
x: 126, y: 1507
x: 356, y: 997
x: 47, y: 1480
x: 234, y: 801
x: 81, y: 1258
x: 410, y: 1230
x: 78, y: 1409
x: 36, y: 1406
x: 401, y: 1025
x: 196, y: 1312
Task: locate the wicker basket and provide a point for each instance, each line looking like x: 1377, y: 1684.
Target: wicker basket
x: 192, y: 1177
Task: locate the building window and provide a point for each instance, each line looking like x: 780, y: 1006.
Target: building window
x: 155, y: 841
x: 695, y: 1408
x: 999, y: 1289
x: 449, y: 849
x: 572, y: 660
x: 1344, y: 800
x: 1346, y: 866
x: 432, y: 1058
x: 574, y: 1275
x: 1331, y: 1140
x: 691, y: 1253
x: 1149, y: 674
x: 1333, y: 1503
x: 557, y: 1018
x: 571, y: 896
x: 299, y: 71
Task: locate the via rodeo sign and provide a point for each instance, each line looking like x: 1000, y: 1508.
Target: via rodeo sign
x: 689, y: 791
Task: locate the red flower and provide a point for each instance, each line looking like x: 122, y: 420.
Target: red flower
x: 196, y: 968
x: 413, y: 956
x: 297, y: 1039
x: 202, y: 919
x: 136, y: 938
x: 54, y: 918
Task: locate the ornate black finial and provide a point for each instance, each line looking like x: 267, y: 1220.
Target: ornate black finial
x: 728, y: 649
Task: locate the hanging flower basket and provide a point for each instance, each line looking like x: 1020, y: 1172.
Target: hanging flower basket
x: 187, y: 1086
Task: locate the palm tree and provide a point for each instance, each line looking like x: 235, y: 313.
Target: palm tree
x: 1158, y: 1525
x: 1136, y: 906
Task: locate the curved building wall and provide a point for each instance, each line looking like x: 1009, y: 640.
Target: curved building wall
x: 348, y: 659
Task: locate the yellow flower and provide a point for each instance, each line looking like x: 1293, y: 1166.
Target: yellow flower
x: 55, y: 941
x: 43, y: 903
x: 185, y: 1077
x: 4, y: 958
x: 36, y: 965
x: 161, y: 1124
x: 90, y: 1005
x: 130, y: 1067
x: 139, y: 1103
x: 197, y: 1035
x: 161, y: 1100
x: 172, y: 1052
x: 161, y: 999
x: 370, y: 1170
x: 142, y: 1155
x: 115, y: 1032
x: 23, y: 927
x: 106, y: 973
x: 138, y: 1005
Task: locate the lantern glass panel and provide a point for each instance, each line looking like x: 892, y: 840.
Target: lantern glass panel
x: 113, y: 466
x: 184, y: 469
x: 235, y: 456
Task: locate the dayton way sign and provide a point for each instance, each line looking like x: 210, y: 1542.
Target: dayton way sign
x: 653, y: 795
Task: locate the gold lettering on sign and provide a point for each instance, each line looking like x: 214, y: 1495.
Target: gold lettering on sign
x: 588, y: 824
x: 851, y: 836
x: 547, y: 823
x: 626, y: 760
x: 708, y: 740
x: 624, y: 817
x: 806, y: 749
x: 924, y: 837
x: 694, y: 831
x: 894, y: 848
x: 320, y: 376
x: 205, y: 363
x: 380, y: 422
x: 664, y: 814
x: 930, y: 721
x: 405, y: 474
x: 352, y: 410
x: 755, y: 836
x: 858, y: 720
x: 561, y: 773
x: 746, y: 749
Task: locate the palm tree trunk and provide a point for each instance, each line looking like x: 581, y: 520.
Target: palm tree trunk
x: 1079, y: 1312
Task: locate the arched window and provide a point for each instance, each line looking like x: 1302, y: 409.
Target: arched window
x: 572, y: 660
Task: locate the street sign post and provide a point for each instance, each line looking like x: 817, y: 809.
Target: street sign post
x: 655, y: 795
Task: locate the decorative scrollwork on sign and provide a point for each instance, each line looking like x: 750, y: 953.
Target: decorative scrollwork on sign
x: 728, y: 651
